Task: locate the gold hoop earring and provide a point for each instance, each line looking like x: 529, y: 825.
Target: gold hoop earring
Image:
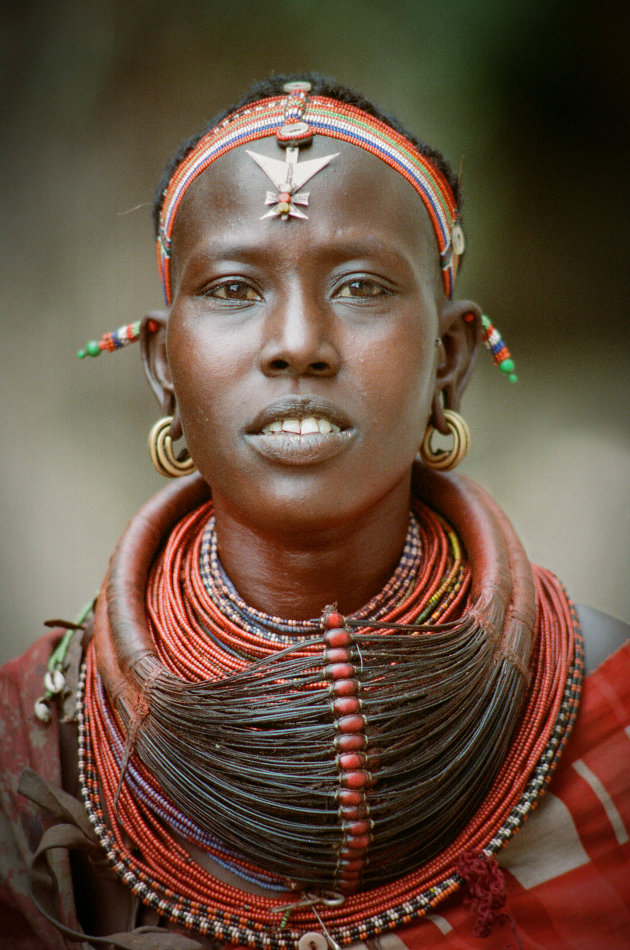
x: 443, y: 460
x: 162, y: 453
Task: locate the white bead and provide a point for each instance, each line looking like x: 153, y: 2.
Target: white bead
x: 312, y: 941
x: 54, y: 681
x: 457, y: 240
x: 42, y: 711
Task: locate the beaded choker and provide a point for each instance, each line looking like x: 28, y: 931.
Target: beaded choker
x: 281, y: 633
x: 353, y: 765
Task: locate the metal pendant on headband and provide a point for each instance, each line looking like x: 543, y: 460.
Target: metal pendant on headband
x: 289, y: 177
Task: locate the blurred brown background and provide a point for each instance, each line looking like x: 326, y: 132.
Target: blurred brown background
x: 96, y: 96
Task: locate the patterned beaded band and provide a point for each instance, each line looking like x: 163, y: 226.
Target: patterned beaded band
x: 116, y: 339
x: 336, y: 120
x: 495, y: 343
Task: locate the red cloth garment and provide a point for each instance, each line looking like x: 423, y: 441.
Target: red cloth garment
x: 28, y: 743
x: 566, y: 871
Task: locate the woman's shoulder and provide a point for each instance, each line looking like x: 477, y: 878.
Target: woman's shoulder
x: 603, y: 635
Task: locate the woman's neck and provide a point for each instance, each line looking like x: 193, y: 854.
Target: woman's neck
x: 295, y: 574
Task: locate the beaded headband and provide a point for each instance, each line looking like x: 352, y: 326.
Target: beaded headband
x: 294, y: 119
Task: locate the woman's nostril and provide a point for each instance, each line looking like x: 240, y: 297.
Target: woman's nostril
x: 279, y: 366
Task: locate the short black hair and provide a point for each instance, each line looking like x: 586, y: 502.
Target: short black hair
x: 320, y: 86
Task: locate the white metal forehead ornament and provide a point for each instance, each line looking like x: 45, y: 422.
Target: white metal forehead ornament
x: 288, y: 177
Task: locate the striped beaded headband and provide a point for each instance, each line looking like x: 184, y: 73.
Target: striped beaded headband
x: 293, y: 119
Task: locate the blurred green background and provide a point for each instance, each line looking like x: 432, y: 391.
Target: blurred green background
x: 98, y: 93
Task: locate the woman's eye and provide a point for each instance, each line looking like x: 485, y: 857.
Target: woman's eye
x: 361, y: 288
x: 237, y: 290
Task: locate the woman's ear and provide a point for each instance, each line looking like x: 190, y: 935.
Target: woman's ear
x: 153, y: 346
x: 460, y: 333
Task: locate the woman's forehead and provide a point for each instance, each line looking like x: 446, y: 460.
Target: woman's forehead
x: 347, y: 191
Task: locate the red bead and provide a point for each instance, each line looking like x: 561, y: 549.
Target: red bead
x: 348, y: 796
x: 334, y: 619
x: 348, y: 886
x: 350, y: 742
x: 353, y: 812
x: 284, y: 196
x: 344, y: 688
x: 336, y: 655
x: 351, y: 760
x: 354, y: 779
x: 345, y: 705
x: 360, y: 843
x: 339, y: 671
x: 337, y: 638
x: 469, y: 317
x: 351, y: 723
x: 152, y: 326
x: 356, y: 828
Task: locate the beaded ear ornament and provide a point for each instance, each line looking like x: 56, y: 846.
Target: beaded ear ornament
x: 115, y: 340
x: 495, y: 343
x: 501, y: 356
x: 123, y: 336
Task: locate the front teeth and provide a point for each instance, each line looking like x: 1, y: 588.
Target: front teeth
x: 308, y: 426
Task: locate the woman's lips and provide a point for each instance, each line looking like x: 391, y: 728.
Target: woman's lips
x: 301, y: 408
x: 300, y: 431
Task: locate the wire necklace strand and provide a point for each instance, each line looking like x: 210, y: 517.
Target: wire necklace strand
x: 293, y: 715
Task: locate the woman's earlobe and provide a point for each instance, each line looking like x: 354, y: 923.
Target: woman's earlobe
x: 461, y: 335
x: 153, y: 345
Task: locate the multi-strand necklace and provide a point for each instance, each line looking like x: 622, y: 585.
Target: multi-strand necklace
x: 355, y: 755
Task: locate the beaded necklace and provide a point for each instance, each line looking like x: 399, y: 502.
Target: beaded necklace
x: 279, y: 631
x: 362, y: 787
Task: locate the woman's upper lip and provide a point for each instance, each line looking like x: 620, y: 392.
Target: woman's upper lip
x: 298, y: 406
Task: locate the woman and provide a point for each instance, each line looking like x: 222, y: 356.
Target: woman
x: 252, y: 777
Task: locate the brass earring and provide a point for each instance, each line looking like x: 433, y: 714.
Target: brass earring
x: 162, y: 452
x: 443, y: 460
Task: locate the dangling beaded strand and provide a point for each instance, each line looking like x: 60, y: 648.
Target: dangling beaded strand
x: 501, y: 356
x: 116, y: 339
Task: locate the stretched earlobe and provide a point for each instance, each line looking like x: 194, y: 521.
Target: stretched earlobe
x: 460, y: 334
x: 154, y: 359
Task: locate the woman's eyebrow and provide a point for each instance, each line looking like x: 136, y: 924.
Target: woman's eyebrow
x: 326, y: 249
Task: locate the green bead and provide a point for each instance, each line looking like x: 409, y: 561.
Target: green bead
x: 81, y: 354
x: 513, y: 378
x: 506, y: 366
x: 93, y: 349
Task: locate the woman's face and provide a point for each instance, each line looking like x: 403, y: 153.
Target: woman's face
x: 303, y: 352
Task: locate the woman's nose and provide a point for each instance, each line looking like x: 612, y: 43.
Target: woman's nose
x: 298, y: 342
